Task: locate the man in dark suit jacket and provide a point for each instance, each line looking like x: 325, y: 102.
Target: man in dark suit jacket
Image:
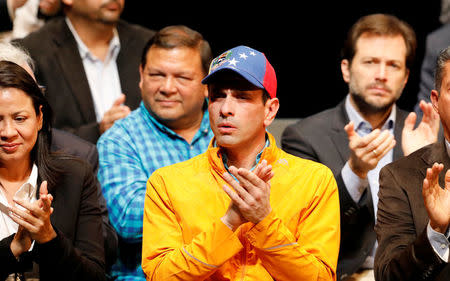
x: 436, y: 41
x: 414, y: 203
x: 61, y: 68
x: 365, y: 131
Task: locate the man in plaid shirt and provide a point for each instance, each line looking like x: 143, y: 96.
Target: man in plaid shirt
x: 171, y: 125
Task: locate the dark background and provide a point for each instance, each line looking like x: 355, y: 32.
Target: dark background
x: 301, y: 39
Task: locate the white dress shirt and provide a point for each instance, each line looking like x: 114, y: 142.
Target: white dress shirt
x: 355, y: 185
x: 103, y: 76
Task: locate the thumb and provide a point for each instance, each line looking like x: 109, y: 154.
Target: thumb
x: 120, y: 100
x: 350, y: 129
x: 447, y: 180
x: 43, y: 189
x: 410, y: 121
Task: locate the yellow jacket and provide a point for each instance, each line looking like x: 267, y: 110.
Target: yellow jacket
x: 184, y: 238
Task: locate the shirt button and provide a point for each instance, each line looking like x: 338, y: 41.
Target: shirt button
x: 443, y: 246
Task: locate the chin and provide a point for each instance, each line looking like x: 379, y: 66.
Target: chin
x: 226, y: 141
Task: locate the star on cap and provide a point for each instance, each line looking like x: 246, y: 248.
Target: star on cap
x: 243, y: 56
x: 252, y: 53
x: 233, y: 62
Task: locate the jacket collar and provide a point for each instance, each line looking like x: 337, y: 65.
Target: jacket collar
x: 437, y: 153
x: 215, y: 158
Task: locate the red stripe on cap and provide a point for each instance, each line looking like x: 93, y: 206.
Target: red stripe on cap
x: 270, y: 80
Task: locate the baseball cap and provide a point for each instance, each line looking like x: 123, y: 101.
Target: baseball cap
x: 248, y: 63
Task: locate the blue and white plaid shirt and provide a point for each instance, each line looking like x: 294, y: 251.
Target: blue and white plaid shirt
x: 129, y: 152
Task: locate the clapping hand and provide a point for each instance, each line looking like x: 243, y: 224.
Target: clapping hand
x: 425, y: 133
x: 437, y: 199
x: 367, y: 151
x: 35, y: 217
x: 250, y: 200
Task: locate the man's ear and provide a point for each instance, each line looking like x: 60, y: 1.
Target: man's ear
x: 141, y: 75
x: 271, y: 109
x: 345, y: 69
x: 434, y: 97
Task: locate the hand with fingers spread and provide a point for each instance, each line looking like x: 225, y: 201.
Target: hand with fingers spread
x: 35, y: 219
x: 437, y: 199
x: 250, y: 200
x: 425, y: 133
x: 366, y: 152
x: 116, y: 112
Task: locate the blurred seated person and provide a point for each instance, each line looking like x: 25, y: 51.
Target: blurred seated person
x: 50, y: 220
x: 21, y: 17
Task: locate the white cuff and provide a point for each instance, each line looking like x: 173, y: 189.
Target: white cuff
x: 355, y: 185
x: 439, y: 242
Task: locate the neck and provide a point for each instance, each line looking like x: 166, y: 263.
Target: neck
x: 15, y: 172
x: 95, y: 35
x: 375, y: 118
x: 244, y: 156
x: 186, y: 128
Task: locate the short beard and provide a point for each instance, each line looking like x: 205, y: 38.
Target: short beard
x: 367, y: 108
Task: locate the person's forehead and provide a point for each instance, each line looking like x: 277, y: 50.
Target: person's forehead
x: 375, y: 45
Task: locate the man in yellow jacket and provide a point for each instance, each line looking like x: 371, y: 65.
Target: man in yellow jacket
x: 244, y: 209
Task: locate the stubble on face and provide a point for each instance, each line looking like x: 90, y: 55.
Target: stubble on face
x: 110, y: 11
x: 370, y: 106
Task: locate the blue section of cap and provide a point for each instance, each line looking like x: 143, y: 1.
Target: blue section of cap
x: 243, y: 60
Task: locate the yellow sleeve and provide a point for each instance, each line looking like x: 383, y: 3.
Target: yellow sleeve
x: 313, y: 256
x: 165, y: 256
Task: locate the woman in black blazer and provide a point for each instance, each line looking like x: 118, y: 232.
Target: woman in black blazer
x: 58, y: 226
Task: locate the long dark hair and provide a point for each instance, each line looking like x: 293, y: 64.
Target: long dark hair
x: 14, y: 76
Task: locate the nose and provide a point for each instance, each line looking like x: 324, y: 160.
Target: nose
x: 7, y: 130
x: 168, y: 86
x: 227, y: 106
x: 381, y: 72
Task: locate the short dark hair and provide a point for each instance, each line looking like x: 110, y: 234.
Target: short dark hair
x: 439, y: 72
x: 180, y: 36
x: 14, y: 76
x: 381, y: 25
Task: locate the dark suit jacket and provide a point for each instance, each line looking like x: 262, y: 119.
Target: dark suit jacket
x: 436, y: 41
x: 322, y: 138
x: 404, y: 252
x: 59, y: 68
x: 77, y: 251
x: 71, y: 144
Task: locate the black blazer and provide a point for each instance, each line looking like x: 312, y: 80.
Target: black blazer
x: 65, y: 142
x: 77, y: 251
x: 59, y: 68
x: 404, y: 252
x: 322, y: 138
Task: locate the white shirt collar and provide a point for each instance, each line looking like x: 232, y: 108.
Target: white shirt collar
x: 114, y: 44
x: 358, y: 120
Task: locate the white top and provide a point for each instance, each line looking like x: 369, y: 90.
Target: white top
x: 28, y: 192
